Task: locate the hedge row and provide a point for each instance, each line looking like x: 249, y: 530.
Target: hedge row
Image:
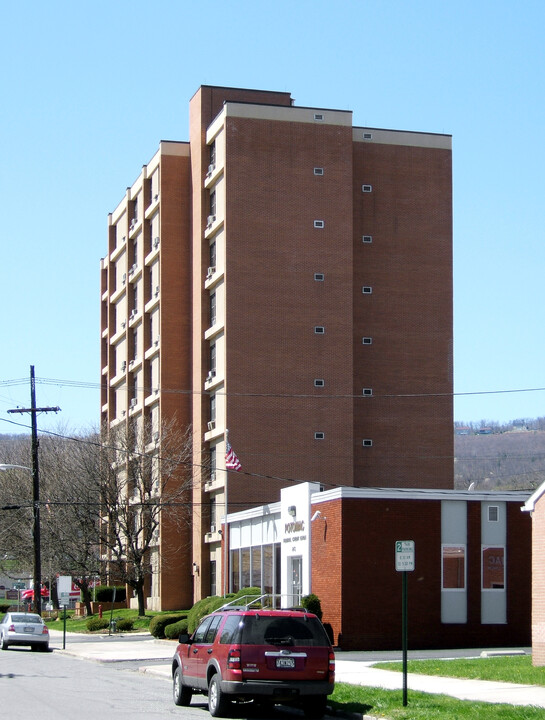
x: 158, y: 623
x: 173, y: 630
x: 105, y: 593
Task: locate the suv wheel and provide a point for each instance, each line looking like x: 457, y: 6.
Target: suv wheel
x: 217, y: 704
x: 314, y: 707
x: 181, y: 693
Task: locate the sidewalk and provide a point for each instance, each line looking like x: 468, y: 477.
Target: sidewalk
x: 355, y: 668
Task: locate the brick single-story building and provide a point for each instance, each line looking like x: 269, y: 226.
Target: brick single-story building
x: 536, y: 507
x: 471, y: 585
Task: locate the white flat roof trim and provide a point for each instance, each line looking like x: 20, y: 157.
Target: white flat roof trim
x: 261, y: 511
x: 530, y: 504
x: 344, y: 493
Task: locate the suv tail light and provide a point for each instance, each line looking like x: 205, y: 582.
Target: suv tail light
x: 233, y: 660
x: 45, y: 631
x: 11, y: 628
x: 331, y: 666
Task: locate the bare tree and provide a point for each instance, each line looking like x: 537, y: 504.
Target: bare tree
x: 104, y: 498
x: 141, y: 484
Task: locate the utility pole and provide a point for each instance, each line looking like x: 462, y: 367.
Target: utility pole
x: 33, y: 410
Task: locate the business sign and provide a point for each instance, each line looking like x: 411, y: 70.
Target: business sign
x: 404, y: 554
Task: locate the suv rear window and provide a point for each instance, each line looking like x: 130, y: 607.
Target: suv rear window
x: 308, y: 632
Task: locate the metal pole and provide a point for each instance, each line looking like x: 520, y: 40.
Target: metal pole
x: 36, y: 499
x: 225, y: 528
x: 404, y: 633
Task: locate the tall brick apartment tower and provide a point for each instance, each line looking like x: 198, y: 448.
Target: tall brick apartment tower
x: 293, y: 277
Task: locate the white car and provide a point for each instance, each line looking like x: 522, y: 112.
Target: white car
x: 24, y: 629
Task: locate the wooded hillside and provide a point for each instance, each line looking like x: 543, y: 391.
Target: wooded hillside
x: 502, y: 460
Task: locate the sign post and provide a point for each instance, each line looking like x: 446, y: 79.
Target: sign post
x: 404, y: 563
x: 64, y: 585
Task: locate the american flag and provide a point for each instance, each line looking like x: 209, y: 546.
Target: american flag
x: 231, y: 460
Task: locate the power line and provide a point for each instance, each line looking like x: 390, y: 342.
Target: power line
x: 320, y: 396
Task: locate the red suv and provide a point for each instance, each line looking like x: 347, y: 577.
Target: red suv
x: 269, y: 656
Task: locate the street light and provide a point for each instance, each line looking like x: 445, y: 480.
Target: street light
x: 37, y: 581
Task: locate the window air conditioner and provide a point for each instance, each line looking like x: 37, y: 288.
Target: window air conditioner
x: 124, y: 279
x: 211, y: 375
x: 212, y: 527
x: 211, y: 169
x: 133, y: 402
x: 211, y: 220
x: 123, y: 366
x: 156, y: 242
x: 211, y: 270
x: 212, y: 425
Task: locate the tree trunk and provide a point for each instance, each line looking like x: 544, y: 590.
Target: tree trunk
x: 140, y: 595
x: 86, y: 595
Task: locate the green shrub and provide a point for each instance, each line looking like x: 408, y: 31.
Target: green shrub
x: 96, y: 623
x: 174, y: 629
x: 202, y: 608
x: 124, y: 624
x: 208, y: 605
x: 158, y: 623
x: 105, y: 593
x: 312, y: 604
x: 4, y: 607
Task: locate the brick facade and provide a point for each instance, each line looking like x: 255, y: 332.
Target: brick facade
x: 536, y: 506
x: 288, y: 233
x: 353, y: 574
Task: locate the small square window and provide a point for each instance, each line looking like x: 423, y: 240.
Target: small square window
x: 493, y: 513
x: 367, y: 188
x: 318, y: 116
x: 318, y: 171
x: 319, y: 382
x: 319, y: 435
x: 319, y: 329
x: 367, y: 443
x: 367, y: 136
x: 319, y: 223
x: 367, y: 392
x: 319, y: 277
x: 367, y: 290
x: 367, y: 238
x: 367, y: 341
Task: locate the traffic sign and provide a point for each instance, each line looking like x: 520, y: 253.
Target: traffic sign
x: 404, y: 554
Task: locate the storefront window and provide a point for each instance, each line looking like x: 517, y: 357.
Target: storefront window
x: 454, y: 567
x: 493, y: 568
x: 245, y: 575
x: 256, y: 567
x: 235, y: 571
x: 268, y: 569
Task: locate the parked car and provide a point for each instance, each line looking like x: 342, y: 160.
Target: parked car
x: 24, y: 629
x: 267, y: 656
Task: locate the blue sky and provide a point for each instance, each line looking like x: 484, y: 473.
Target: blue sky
x: 89, y: 89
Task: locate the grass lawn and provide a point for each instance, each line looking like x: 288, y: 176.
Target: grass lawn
x: 515, y: 669
x: 422, y: 706
x: 78, y: 624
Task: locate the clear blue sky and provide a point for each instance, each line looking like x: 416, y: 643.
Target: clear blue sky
x: 89, y: 89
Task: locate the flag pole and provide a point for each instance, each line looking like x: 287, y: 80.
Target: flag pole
x: 225, y: 526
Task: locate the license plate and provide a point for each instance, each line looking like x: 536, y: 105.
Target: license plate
x: 283, y: 662
x: 29, y: 629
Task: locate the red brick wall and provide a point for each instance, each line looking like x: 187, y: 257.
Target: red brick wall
x: 274, y: 303
x: 538, y: 583
x: 408, y: 315
x: 175, y: 370
x: 353, y: 574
